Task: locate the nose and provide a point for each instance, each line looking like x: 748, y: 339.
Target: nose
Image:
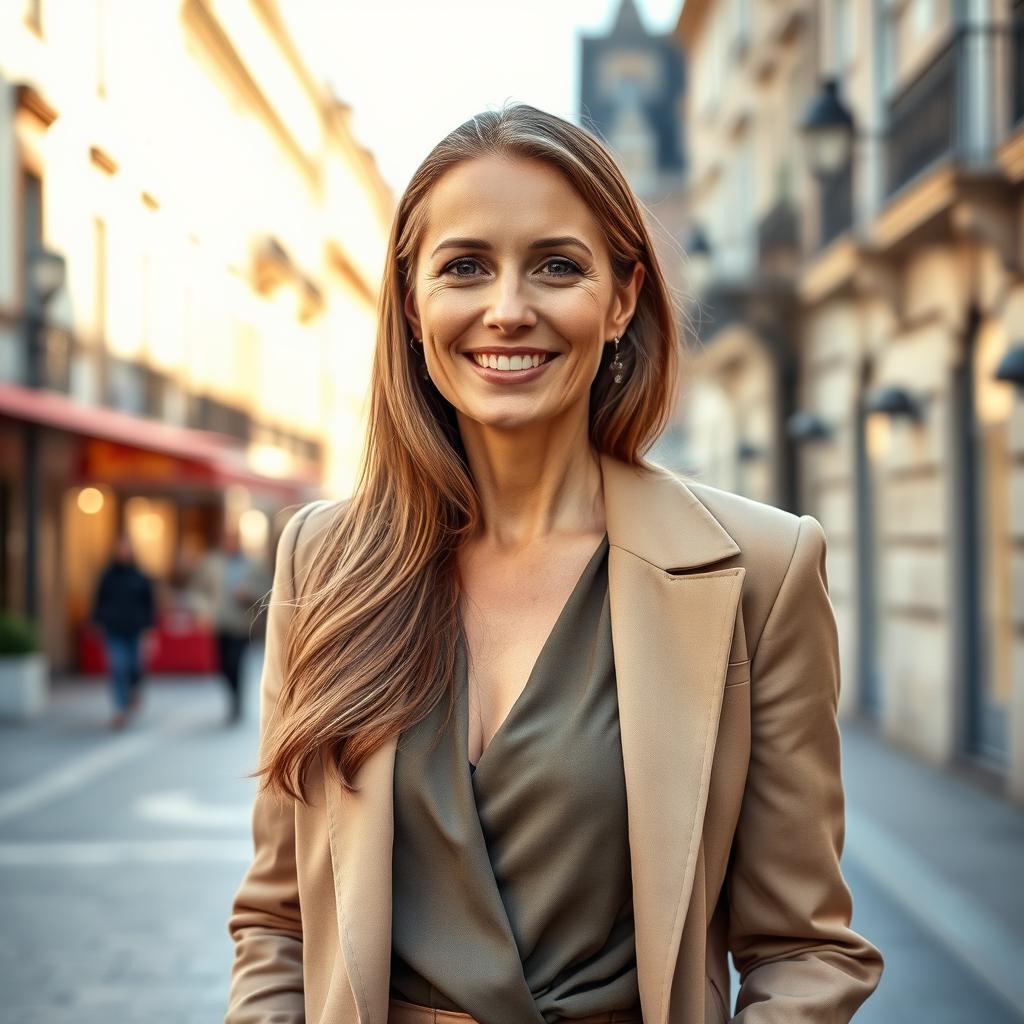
x: 507, y: 309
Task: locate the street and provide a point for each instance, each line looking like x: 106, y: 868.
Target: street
x: 120, y: 853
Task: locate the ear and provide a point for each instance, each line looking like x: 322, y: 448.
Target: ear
x: 411, y: 313
x: 626, y: 295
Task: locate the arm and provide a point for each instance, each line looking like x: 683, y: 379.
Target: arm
x: 790, y: 909
x: 99, y: 603
x: 265, y: 922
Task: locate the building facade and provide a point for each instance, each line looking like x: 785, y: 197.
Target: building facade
x: 632, y: 96
x: 205, y: 361
x: 862, y: 319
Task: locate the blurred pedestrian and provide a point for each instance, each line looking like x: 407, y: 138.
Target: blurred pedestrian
x: 124, y: 609
x: 232, y: 583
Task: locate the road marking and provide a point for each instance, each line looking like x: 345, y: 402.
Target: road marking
x: 79, y: 771
x: 180, y: 807
x: 975, y: 936
x: 83, y: 853
x: 73, y: 774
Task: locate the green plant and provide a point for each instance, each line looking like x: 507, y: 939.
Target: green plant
x: 17, y: 635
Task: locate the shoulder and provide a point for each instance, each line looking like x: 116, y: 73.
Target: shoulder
x: 757, y: 527
x: 305, y: 532
x: 775, y: 546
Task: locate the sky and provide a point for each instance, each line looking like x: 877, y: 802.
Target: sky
x: 415, y: 69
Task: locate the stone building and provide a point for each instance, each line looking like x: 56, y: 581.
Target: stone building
x: 220, y: 234
x: 861, y: 355
x: 632, y: 96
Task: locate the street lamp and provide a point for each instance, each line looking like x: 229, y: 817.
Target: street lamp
x: 46, y: 270
x: 45, y: 276
x: 827, y: 132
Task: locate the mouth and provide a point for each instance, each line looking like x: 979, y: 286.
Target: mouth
x: 510, y: 369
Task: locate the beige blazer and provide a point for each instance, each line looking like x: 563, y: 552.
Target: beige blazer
x: 727, y: 667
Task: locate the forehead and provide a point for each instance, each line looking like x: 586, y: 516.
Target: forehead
x: 506, y: 200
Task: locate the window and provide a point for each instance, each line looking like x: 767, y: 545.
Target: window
x: 844, y: 35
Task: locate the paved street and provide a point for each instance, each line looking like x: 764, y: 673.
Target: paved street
x: 119, y: 855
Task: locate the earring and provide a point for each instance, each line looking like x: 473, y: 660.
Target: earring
x: 616, y: 364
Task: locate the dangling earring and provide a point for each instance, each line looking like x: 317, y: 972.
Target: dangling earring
x: 616, y: 364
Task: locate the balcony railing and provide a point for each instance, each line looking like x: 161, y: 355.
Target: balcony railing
x: 950, y: 110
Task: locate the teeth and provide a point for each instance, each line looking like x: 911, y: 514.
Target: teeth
x: 517, y: 362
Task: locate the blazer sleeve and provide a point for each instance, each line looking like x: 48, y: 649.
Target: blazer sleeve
x: 265, y: 921
x: 789, y: 907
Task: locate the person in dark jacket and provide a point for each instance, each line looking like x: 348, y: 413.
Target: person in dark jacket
x: 124, y: 609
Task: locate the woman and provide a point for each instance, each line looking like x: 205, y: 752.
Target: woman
x: 558, y: 632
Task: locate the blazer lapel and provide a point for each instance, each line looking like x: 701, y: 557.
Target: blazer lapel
x: 671, y: 636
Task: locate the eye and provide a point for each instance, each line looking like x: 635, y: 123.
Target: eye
x: 461, y: 262
x: 571, y: 267
x: 568, y: 267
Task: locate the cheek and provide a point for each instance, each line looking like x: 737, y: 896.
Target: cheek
x: 447, y: 314
x: 576, y: 315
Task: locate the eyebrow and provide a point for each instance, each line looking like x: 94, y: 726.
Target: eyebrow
x: 541, y: 243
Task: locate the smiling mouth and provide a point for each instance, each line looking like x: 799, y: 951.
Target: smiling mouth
x: 510, y: 364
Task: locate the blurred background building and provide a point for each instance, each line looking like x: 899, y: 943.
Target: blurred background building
x: 190, y: 246
x: 632, y: 94
x: 855, y: 202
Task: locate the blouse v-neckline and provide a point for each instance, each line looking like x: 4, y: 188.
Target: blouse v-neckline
x: 584, y: 576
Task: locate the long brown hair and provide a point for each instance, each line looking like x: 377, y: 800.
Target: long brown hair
x: 371, y: 645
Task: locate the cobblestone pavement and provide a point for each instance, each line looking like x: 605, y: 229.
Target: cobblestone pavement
x: 119, y: 855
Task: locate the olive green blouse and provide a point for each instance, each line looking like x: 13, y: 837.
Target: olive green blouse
x: 512, y: 896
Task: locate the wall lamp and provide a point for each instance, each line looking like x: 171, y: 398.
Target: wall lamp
x: 827, y: 132
x: 747, y: 451
x: 1011, y: 366
x: 893, y: 401
x: 804, y: 425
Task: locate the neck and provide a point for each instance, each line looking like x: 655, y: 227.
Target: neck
x: 534, y: 483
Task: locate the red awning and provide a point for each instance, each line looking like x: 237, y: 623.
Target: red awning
x: 222, y: 460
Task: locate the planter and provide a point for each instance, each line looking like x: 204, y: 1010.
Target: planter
x: 23, y: 685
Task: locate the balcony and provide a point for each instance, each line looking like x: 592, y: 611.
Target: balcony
x: 952, y: 109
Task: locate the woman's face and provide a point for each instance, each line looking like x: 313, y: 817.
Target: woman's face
x: 513, y: 267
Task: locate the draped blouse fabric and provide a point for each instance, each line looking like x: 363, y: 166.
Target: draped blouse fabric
x: 512, y: 895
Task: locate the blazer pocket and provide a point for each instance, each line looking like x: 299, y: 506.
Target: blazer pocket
x: 737, y: 673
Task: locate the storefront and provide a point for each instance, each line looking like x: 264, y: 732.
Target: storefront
x: 96, y: 472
